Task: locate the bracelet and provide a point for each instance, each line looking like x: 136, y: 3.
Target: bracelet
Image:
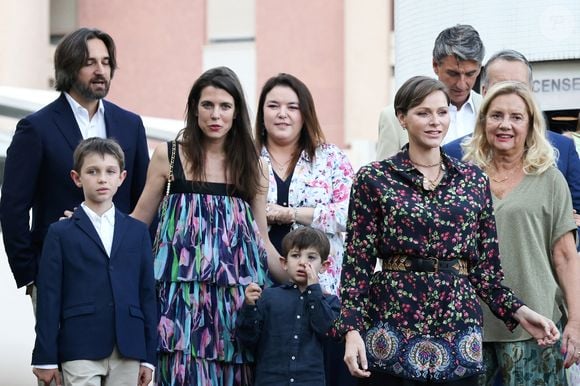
x: 295, y: 216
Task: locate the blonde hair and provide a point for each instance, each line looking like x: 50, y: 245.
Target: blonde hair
x: 539, y: 155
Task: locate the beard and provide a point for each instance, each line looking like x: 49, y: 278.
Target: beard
x: 90, y: 91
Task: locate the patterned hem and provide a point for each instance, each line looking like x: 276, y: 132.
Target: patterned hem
x: 422, y: 357
x: 177, y: 369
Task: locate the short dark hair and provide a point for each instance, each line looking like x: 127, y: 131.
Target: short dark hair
x: 72, y: 52
x: 415, y: 90
x: 461, y: 41
x: 101, y: 146
x: 306, y: 237
x: 311, y: 135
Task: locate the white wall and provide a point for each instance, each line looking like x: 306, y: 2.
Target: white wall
x: 24, y: 32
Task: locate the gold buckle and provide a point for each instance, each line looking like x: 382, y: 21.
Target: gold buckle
x: 436, y: 263
x: 394, y: 263
x: 461, y: 267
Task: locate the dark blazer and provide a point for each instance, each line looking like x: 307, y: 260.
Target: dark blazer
x: 37, y: 177
x: 568, y: 161
x: 88, y: 302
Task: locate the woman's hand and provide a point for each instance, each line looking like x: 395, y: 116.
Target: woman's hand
x: 571, y: 343
x: 355, y: 355
x: 277, y: 214
x: 542, y: 329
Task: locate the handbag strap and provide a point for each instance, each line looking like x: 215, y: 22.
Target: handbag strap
x: 171, y: 163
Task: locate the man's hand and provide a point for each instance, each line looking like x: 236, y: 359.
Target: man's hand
x: 67, y: 214
x: 253, y: 293
x: 47, y: 375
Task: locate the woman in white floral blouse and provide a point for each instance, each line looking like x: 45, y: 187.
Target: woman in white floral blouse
x: 309, y: 179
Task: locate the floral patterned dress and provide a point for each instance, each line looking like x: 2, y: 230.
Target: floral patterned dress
x: 323, y: 184
x: 207, y: 250
x: 422, y: 325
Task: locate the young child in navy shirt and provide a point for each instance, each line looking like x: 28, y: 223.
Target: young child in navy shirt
x: 285, y: 325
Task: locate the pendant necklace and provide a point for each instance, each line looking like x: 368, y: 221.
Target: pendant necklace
x: 503, y: 179
x: 280, y: 168
x: 432, y: 183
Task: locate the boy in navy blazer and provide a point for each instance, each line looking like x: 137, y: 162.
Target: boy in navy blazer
x: 96, y: 313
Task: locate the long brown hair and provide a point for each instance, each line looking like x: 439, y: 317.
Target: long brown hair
x: 311, y: 135
x: 242, y: 160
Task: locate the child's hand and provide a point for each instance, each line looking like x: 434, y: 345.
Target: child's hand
x: 145, y: 375
x: 47, y: 376
x: 253, y: 293
x: 311, y: 275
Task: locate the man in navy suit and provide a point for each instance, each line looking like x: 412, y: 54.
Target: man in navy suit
x: 39, y: 159
x: 96, y: 312
x: 512, y: 65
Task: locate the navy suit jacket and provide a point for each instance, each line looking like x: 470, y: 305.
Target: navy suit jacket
x: 568, y: 161
x: 37, y: 177
x: 89, y: 302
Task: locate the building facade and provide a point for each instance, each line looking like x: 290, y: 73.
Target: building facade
x: 547, y: 33
x: 341, y: 49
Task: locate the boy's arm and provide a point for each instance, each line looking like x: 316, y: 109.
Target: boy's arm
x: 322, y: 310
x: 49, y: 297
x: 249, y: 323
x: 148, y: 299
x: 48, y: 376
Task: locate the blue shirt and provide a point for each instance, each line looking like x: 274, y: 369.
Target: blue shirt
x: 285, y: 329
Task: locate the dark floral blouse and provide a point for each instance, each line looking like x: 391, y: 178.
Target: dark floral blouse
x: 419, y: 325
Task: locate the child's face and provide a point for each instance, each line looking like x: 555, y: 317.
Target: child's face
x: 100, y: 177
x: 303, y: 266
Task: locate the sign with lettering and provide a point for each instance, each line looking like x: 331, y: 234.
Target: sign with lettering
x: 557, y: 84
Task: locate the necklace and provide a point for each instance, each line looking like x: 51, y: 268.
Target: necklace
x: 432, y: 183
x: 504, y: 178
x: 499, y: 181
x: 427, y: 165
x: 279, y: 167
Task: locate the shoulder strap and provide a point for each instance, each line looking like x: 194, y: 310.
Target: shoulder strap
x: 171, y: 164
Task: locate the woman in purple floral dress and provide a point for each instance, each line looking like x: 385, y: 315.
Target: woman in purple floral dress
x: 421, y: 246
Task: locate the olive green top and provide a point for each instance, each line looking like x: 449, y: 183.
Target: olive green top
x: 530, y: 219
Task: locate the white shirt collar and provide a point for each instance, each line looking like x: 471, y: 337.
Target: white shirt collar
x: 76, y: 106
x: 108, y: 216
x: 462, y: 121
x: 89, y: 127
x: 468, y: 104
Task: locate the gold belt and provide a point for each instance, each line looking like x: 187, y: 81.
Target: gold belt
x: 425, y: 264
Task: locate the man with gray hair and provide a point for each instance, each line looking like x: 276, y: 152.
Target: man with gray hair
x: 457, y: 57
x: 513, y: 66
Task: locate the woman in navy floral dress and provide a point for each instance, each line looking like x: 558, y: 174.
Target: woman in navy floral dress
x: 421, y: 246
